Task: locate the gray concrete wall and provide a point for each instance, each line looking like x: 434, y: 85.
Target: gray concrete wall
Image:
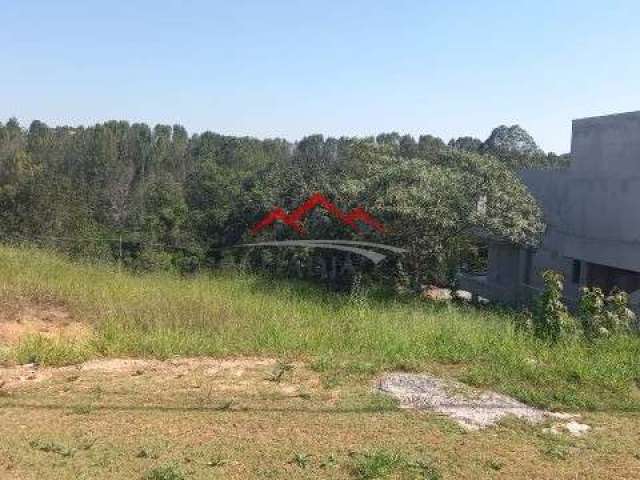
x: 592, y: 208
x: 592, y: 212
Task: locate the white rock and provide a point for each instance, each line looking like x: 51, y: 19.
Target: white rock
x: 577, y: 429
x: 469, y: 407
x: 464, y: 295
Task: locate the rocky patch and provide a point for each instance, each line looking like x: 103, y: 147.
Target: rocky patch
x: 473, y: 409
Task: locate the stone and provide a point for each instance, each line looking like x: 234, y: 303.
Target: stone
x: 464, y: 295
x: 577, y: 429
x: 471, y: 408
x: 436, y: 294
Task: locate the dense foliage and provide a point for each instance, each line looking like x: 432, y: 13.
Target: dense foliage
x: 602, y: 316
x: 160, y: 197
x: 597, y: 316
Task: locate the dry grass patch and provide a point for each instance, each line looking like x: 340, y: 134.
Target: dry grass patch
x: 240, y: 418
x: 188, y: 382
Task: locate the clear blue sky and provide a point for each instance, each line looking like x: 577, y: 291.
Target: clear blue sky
x: 289, y: 68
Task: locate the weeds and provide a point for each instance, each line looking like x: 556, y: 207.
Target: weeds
x: 81, y: 409
x: 41, y: 350
x: 225, y: 405
x: 551, y: 319
x: 330, y: 462
x: 52, y: 447
x: 279, y: 370
x: 302, y: 460
x: 165, y: 472
x: 604, y: 316
x: 495, y: 465
x: 424, y: 469
x: 145, y: 452
x: 382, y: 464
x: 556, y: 448
x: 379, y: 464
x: 216, y: 461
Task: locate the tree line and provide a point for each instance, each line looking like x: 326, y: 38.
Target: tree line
x: 161, y: 198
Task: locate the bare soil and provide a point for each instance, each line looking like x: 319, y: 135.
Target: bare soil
x: 21, y: 317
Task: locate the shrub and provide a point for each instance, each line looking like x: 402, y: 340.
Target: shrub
x: 377, y: 464
x: 165, y: 472
x: 150, y: 260
x: 187, y: 264
x: 591, y: 311
x: 551, y: 319
x: 401, y: 281
x: 602, y: 317
x: 618, y: 316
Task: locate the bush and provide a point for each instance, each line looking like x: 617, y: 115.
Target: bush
x: 165, y: 472
x: 150, y: 260
x: 591, y: 311
x: 187, y: 264
x: 551, y: 319
x: 618, y: 316
x: 602, y: 317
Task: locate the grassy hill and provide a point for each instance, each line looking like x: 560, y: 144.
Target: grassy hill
x: 231, y: 314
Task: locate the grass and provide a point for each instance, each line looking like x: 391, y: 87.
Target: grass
x: 382, y: 464
x: 165, y: 472
x: 302, y: 460
x: 52, y: 447
x: 379, y: 464
x: 227, y: 314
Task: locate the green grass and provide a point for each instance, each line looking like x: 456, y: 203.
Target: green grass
x: 164, y: 472
x: 162, y: 315
x: 379, y: 464
x: 52, y: 447
x: 382, y: 464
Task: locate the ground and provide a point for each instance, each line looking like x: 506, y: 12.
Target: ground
x: 107, y: 375
x: 259, y: 418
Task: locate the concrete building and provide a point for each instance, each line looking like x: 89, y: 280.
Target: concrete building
x: 592, y: 212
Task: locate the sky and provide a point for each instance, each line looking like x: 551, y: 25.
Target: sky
x: 287, y: 68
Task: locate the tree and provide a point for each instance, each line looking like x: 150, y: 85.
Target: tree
x: 203, y: 193
x: 468, y: 144
x: 514, y: 139
x: 431, y: 208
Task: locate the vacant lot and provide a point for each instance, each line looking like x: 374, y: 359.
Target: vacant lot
x: 260, y: 418
x: 237, y: 377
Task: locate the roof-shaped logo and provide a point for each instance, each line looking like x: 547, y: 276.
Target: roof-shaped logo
x: 295, y: 218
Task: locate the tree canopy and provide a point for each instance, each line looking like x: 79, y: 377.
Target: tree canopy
x: 174, y: 199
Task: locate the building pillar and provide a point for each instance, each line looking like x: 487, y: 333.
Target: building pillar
x: 584, y: 267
